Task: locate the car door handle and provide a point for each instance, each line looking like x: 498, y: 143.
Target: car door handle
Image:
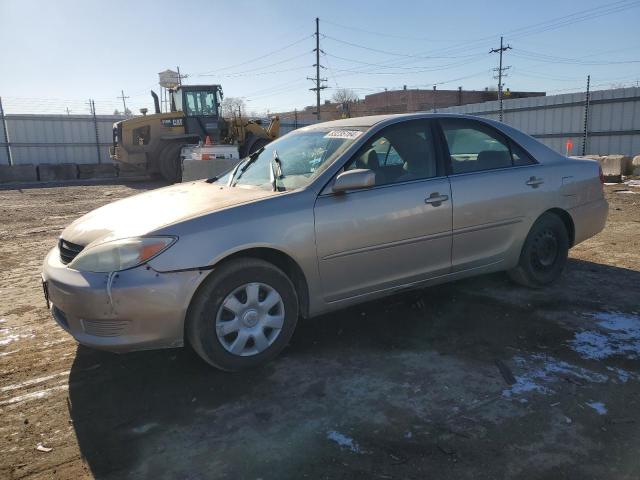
x: 435, y: 199
x: 533, y: 182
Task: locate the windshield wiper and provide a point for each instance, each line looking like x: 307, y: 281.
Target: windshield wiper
x: 252, y: 158
x: 276, y: 171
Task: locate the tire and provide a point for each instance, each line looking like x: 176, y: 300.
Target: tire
x: 169, y: 163
x: 254, y: 145
x: 208, y: 315
x: 544, y: 253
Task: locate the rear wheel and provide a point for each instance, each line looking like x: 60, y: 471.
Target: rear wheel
x: 243, y: 315
x: 544, y: 253
x: 169, y: 163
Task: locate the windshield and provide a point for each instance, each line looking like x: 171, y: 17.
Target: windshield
x: 300, y: 156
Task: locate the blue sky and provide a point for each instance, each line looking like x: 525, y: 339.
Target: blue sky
x: 55, y: 55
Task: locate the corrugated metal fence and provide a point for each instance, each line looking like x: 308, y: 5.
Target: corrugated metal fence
x: 613, y: 125
x: 57, y: 138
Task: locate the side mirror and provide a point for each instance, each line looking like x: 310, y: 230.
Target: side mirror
x: 354, y: 180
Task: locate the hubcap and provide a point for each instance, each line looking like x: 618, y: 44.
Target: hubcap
x: 545, y: 249
x: 250, y: 319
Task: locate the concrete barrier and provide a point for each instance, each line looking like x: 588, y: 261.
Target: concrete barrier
x: 18, y: 173
x: 97, y: 170
x: 635, y: 165
x: 130, y: 171
x: 616, y: 165
x: 50, y: 172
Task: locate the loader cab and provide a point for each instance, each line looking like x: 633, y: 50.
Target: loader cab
x: 201, y: 107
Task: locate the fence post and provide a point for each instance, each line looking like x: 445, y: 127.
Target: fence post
x: 585, y: 133
x: 95, y: 125
x: 6, y: 134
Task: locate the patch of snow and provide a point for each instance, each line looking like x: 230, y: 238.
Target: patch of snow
x: 598, y: 407
x: 539, y: 370
x: 10, y: 352
x: 34, y: 395
x: 623, y: 375
x: 144, y: 428
x: 33, y: 381
x: 344, y: 441
x: 619, y: 334
x: 6, y: 337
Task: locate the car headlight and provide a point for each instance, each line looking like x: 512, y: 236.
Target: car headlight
x: 121, y: 254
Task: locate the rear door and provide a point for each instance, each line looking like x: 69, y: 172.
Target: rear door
x: 394, y: 233
x: 496, y: 188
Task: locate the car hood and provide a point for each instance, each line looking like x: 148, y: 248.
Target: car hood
x: 147, y: 212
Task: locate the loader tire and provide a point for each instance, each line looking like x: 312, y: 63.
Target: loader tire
x: 169, y: 163
x: 252, y: 144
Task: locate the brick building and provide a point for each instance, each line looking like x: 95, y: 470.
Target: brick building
x: 401, y: 101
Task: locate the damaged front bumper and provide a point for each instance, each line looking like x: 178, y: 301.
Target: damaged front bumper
x: 135, y: 309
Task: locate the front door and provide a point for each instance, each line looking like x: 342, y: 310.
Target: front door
x: 394, y: 233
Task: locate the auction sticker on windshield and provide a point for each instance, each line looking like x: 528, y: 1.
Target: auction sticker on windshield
x: 350, y: 134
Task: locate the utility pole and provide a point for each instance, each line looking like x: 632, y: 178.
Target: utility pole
x: 68, y: 111
x: 6, y: 134
x: 92, y: 109
x: 434, y: 99
x: 295, y: 119
x: 500, y: 70
x: 180, y: 76
x: 124, y: 103
x: 318, y: 81
x: 585, y: 133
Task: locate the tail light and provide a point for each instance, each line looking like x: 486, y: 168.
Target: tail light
x: 601, y: 174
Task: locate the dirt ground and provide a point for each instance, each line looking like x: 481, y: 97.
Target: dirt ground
x: 410, y: 387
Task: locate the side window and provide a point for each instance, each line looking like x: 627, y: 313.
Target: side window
x: 399, y: 153
x: 520, y: 157
x: 142, y: 135
x: 474, y: 147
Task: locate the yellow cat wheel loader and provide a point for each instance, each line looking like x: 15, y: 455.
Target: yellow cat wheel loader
x: 154, y: 142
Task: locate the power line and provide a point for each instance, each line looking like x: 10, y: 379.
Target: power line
x: 265, y: 55
x: 544, y: 58
x: 241, y: 73
x: 573, y: 18
x: 382, y: 34
x: 386, y: 52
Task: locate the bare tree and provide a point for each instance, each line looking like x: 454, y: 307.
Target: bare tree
x: 230, y: 106
x: 343, y: 95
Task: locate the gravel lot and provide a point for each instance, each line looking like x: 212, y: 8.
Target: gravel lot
x: 409, y: 387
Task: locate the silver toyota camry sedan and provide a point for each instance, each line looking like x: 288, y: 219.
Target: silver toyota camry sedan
x: 324, y: 217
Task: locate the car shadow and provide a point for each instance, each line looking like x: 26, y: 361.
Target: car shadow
x: 120, y: 403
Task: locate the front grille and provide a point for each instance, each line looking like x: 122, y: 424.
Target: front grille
x: 68, y: 251
x: 105, y: 328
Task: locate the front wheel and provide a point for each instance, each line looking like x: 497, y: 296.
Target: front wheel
x: 243, y: 315
x: 544, y: 253
x: 169, y: 163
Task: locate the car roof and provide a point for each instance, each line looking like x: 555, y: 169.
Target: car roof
x: 371, y: 120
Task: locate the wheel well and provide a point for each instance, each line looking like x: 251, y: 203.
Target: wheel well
x: 285, y: 263
x: 568, y: 223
